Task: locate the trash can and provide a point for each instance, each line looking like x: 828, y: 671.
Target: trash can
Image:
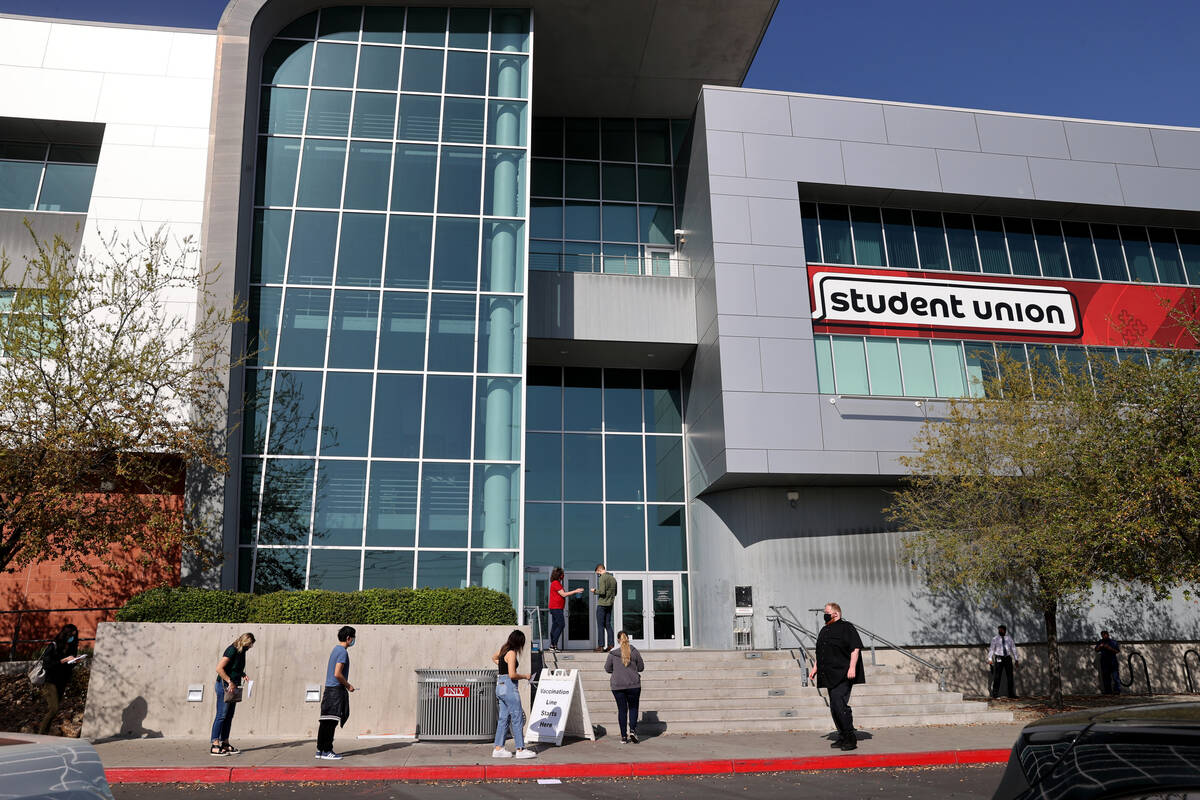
x: 456, y: 704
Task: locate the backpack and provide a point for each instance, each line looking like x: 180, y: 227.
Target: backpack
x: 37, y: 675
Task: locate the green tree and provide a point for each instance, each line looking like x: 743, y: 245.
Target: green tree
x: 112, y: 373
x: 1061, y: 474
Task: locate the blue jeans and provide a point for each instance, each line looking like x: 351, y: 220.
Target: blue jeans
x: 557, y: 623
x: 511, y: 715
x: 221, y: 725
x: 604, y: 628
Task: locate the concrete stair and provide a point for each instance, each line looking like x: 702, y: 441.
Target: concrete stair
x: 711, y: 691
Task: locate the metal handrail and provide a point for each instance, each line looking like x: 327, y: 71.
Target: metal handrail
x: 778, y: 620
x: 16, y: 636
x: 940, y: 669
x: 1132, y: 676
x: 1187, y: 672
x: 537, y: 615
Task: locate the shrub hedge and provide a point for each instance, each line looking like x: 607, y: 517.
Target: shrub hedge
x: 471, y: 606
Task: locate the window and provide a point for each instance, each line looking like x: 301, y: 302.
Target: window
x: 47, y: 177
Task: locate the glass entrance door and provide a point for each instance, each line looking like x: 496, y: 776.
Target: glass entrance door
x: 649, y: 608
x: 581, y: 623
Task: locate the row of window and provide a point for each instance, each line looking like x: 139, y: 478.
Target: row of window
x: 587, y: 400
x: 633, y: 538
x: 904, y: 367
x: 394, y: 251
x: 271, y: 569
x: 390, y: 117
x: 36, y: 176
x: 593, y: 223
x: 933, y: 240
x: 384, y: 415
x: 459, y: 180
x: 648, y: 141
x: 465, y: 28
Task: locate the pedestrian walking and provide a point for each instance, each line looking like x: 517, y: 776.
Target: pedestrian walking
x: 231, y: 672
x: 606, y: 593
x: 558, y: 602
x: 625, y: 665
x: 335, y: 701
x: 512, y: 717
x: 838, y: 667
x: 1002, y: 655
x: 1110, y: 678
x: 58, y: 660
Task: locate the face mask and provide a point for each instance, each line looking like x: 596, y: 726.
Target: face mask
x: 349, y: 644
x: 70, y: 639
x: 828, y: 617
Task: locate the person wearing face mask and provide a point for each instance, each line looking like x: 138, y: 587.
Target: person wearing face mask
x: 231, y: 671
x: 58, y: 659
x: 837, y: 666
x: 335, y: 702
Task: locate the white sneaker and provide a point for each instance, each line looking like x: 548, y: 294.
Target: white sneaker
x: 501, y: 753
x: 526, y: 753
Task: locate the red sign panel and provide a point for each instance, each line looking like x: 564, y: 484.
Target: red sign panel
x: 867, y: 301
x: 454, y: 691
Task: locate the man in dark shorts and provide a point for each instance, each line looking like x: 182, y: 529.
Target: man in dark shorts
x: 837, y: 667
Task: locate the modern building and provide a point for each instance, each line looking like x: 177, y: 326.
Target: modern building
x: 522, y: 296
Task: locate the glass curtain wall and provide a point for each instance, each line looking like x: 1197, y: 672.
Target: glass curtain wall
x: 383, y: 425
x: 604, y: 470
x: 932, y: 240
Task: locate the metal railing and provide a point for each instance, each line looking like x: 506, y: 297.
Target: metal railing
x: 1187, y: 672
x: 665, y: 266
x: 779, y: 620
x: 1133, y: 676
x: 20, y: 612
x: 539, y: 637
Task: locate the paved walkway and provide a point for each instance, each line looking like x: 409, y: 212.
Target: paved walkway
x: 176, y: 760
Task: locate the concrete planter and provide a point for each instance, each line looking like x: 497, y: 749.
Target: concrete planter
x: 141, y: 673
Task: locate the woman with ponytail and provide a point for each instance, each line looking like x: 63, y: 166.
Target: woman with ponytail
x: 625, y: 665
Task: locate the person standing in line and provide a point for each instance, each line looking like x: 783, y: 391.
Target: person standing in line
x: 511, y: 715
x: 231, y: 671
x: 335, y: 702
x: 1110, y: 678
x: 58, y: 659
x: 1002, y: 655
x: 558, y: 601
x: 625, y: 665
x: 606, y: 593
x: 837, y: 666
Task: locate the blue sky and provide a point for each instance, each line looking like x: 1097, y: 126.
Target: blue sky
x: 1100, y: 59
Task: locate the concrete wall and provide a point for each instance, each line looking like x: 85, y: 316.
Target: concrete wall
x: 141, y: 673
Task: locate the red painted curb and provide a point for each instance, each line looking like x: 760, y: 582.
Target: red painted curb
x: 167, y: 774
x: 497, y: 772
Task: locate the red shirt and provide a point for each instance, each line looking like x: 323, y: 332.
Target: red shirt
x: 556, y: 599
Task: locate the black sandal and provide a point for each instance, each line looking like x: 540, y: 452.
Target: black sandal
x: 230, y: 750
x: 217, y: 750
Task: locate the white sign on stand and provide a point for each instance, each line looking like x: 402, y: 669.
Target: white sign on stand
x: 560, y: 709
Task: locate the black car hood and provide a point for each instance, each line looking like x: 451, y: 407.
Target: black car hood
x: 1186, y: 713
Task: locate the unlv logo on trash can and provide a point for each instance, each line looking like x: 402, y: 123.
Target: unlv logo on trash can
x: 454, y: 691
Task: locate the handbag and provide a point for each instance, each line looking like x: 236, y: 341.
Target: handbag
x: 233, y: 694
x: 37, y: 675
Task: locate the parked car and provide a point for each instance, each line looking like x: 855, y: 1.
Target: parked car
x: 50, y: 767
x: 1136, y: 751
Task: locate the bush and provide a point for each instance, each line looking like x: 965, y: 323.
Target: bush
x: 471, y: 606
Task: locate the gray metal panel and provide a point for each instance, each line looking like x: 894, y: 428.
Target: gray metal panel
x: 738, y: 460
x: 1022, y: 136
x: 931, y: 127
x: 781, y: 291
x: 612, y: 308
x: 1176, y: 148
x: 747, y: 111
x: 891, y: 166
x: 984, y: 173
x: 870, y: 423
x: 798, y: 327
x: 735, y: 288
x: 1119, y: 144
x: 787, y: 366
x: 793, y: 158
x: 725, y: 154
x: 827, y: 118
x: 735, y: 253
x: 774, y: 222
x: 757, y: 420
x: 1155, y: 187
x: 821, y: 462
x: 753, y: 187
x: 741, y: 366
x: 17, y: 243
x: 730, y: 219
x: 1074, y: 181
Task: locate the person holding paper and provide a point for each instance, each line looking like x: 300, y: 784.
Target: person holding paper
x: 511, y: 714
x: 558, y: 601
x: 231, y: 672
x: 59, y: 660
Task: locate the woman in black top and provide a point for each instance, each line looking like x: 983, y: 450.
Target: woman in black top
x: 58, y: 660
x: 231, y: 671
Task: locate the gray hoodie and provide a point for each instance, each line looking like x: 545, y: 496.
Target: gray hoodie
x: 624, y: 677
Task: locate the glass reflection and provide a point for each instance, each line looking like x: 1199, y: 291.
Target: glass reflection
x: 392, y: 506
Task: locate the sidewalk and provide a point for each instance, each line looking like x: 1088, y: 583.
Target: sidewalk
x: 177, y: 760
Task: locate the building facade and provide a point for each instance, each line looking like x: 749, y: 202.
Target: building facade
x: 519, y: 299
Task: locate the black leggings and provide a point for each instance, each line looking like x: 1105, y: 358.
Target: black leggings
x: 325, y: 732
x: 627, y: 706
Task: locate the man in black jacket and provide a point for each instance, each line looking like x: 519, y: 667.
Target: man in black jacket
x: 837, y: 666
